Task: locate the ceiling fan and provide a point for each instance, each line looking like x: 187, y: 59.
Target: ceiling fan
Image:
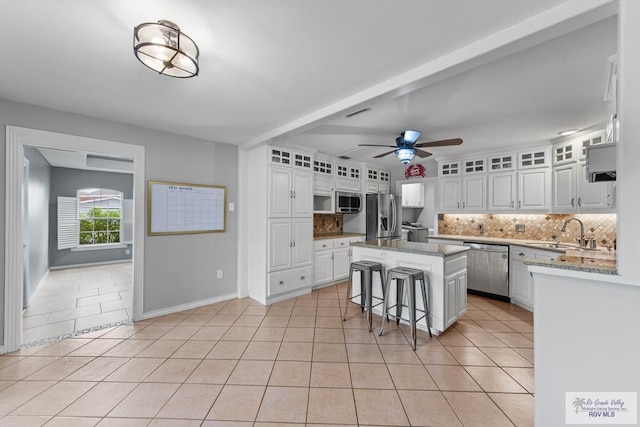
x: 406, y: 147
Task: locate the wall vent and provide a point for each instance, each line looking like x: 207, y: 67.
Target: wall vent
x: 355, y: 113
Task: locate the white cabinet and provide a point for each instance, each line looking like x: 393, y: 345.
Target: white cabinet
x: 595, y: 138
x: 474, y: 166
x: 377, y: 181
x: 290, y: 193
x: 332, y: 258
x: 572, y: 193
x: 413, y: 195
x: 290, y: 158
x: 290, y: 243
x: 466, y: 194
x: 502, y: 191
x: 534, y: 189
x: 520, y: 284
x: 347, y: 177
x: 502, y: 162
x: 455, y: 296
x: 449, y: 168
x: 535, y: 158
x: 450, y: 194
x: 564, y: 152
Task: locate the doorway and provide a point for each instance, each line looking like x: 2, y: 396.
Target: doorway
x: 17, y: 139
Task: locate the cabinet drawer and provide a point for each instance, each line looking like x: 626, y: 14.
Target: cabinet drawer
x: 320, y: 245
x: 285, y: 281
x: 347, y: 184
x: 341, y: 243
x: 519, y: 254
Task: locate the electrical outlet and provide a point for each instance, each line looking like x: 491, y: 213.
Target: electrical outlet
x: 480, y: 227
x: 127, y: 251
x: 519, y: 228
x: 219, y: 274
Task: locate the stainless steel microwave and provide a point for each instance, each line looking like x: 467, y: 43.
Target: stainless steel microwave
x: 349, y: 203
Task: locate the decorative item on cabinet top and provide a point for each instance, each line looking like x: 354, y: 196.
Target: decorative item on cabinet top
x: 415, y: 171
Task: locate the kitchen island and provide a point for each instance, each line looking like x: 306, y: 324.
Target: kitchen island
x: 444, y: 265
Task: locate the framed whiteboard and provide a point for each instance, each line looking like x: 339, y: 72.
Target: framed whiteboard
x: 179, y: 208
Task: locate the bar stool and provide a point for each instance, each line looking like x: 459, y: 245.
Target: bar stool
x: 406, y: 278
x: 366, y: 270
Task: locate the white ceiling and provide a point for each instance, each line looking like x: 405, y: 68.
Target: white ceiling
x: 272, y: 69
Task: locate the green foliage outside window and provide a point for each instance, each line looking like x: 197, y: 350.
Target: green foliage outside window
x: 99, y: 226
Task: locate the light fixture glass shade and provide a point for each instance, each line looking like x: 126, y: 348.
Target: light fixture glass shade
x: 164, y: 48
x: 405, y: 155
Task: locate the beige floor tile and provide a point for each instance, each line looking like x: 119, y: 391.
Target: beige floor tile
x: 125, y: 331
x: 197, y: 320
x: 210, y: 333
x: 275, y: 321
x: 191, y: 401
x: 173, y: 371
x: 302, y: 322
x: 25, y: 367
x: 223, y: 320
x: 161, y: 348
x: 340, y: 401
x: 494, y: 326
x: 527, y: 353
x: 21, y: 392
x: 370, y: 375
x: 280, y: 311
x: 476, y: 410
x: 452, y: 338
x: 54, y: 399
x: 467, y: 325
x: 152, y: 332
x: 73, y: 421
x: 251, y: 372
x: 62, y: 348
x: 24, y: 421
x: 248, y: 320
x: 212, y: 372
x: 524, y: 377
x: 194, y: 350
x: 519, y: 325
x: 327, y: 352
x: 284, y: 404
x: 269, y: 334
x: 435, y: 355
x: 239, y: 333
x: 506, y: 357
x: 98, y: 369
x: 60, y: 368
x: 379, y: 407
x: 304, y: 311
x: 453, y: 378
x: 299, y: 335
x: 494, y: 380
x: 290, y: 374
x: 172, y: 422
x: 6, y: 384
x: 470, y: 356
x: 391, y: 336
x: 364, y: 353
x: 124, y: 422
x: 323, y: 335
x: 514, y: 339
x: 96, y: 347
x: 135, y: 370
x: 483, y: 339
x: 256, y: 310
x: 99, y: 401
x: 228, y: 424
x: 129, y: 348
x: 228, y: 350
x: 300, y: 351
x: 329, y: 312
x: 411, y: 377
x: 399, y: 353
x: 145, y: 401
x: 237, y: 403
x: 101, y: 319
x: 12, y: 358
x: 518, y: 407
x: 262, y: 350
x: 360, y: 336
x: 181, y: 332
x: 325, y: 374
x: 48, y: 331
x: 428, y: 408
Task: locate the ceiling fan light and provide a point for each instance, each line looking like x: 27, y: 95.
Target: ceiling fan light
x: 405, y: 155
x: 165, y: 49
x: 411, y: 135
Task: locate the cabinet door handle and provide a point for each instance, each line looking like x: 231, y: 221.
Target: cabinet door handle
x: 324, y: 246
x: 294, y: 194
x: 290, y: 243
x: 294, y: 243
x: 512, y: 204
x: 579, y: 201
x: 608, y: 200
x: 290, y: 194
x: 463, y: 203
x: 280, y: 282
x: 572, y: 202
x: 458, y: 205
x: 519, y: 204
x: 301, y: 277
x: 521, y: 254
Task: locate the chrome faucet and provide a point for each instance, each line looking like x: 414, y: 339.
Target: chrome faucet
x: 582, y: 242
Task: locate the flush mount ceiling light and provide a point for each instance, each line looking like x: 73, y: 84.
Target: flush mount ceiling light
x: 568, y: 132
x: 165, y: 49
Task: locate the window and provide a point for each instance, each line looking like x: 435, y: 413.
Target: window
x: 95, y: 217
x: 99, y: 214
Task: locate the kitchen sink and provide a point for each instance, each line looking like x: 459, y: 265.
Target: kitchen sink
x: 568, y: 247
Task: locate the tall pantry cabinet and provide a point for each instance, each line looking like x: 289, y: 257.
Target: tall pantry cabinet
x: 280, y: 252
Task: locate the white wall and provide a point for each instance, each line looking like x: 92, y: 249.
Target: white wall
x: 177, y: 269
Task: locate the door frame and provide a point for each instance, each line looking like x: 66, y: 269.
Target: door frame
x: 16, y: 139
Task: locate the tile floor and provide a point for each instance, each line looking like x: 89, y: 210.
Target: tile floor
x: 74, y: 299
x: 294, y: 363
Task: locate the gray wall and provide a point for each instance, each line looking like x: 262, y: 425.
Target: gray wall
x: 39, y: 188
x: 177, y: 269
x: 66, y: 182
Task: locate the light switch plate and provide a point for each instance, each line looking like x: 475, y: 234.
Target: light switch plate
x: 519, y: 228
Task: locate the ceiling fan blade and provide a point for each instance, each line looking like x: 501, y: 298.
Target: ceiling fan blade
x: 375, y: 145
x: 443, y: 143
x: 384, y: 154
x: 421, y: 153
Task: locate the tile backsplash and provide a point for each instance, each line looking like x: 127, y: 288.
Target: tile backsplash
x: 536, y: 227
x: 325, y: 224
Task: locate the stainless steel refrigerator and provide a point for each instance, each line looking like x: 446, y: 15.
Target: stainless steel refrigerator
x: 384, y: 216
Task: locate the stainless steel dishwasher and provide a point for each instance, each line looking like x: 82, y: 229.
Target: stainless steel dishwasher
x: 488, y: 270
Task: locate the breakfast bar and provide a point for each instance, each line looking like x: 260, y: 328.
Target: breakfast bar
x: 445, y: 267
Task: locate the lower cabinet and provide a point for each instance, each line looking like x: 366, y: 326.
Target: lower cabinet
x: 520, y: 284
x: 332, y: 258
x: 456, y: 295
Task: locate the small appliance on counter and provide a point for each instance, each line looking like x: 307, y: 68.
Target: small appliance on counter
x: 384, y: 216
x: 416, y: 232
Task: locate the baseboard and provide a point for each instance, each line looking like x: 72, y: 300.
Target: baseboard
x: 90, y: 264
x: 2, y: 349
x: 187, y: 306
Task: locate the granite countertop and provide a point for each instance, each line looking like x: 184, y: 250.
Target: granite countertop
x: 337, y: 235
x: 569, y: 255
x: 433, y: 249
